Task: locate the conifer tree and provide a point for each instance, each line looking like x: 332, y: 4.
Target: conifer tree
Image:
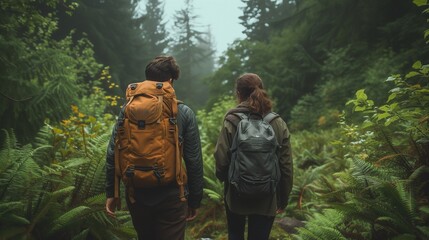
x: 153, y: 28
x: 257, y: 17
x: 193, y: 51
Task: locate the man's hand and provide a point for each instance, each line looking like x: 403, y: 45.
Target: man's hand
x: 192, y: 214
x: 112, y: 204
x: 279, y: 210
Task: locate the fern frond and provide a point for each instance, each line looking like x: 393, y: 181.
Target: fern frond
x: 323, y: 225
x: 96, y: 200
x: 213, y: 195
x: 93, y: 173
x: 70, y: 217
x: 419, y: 179
x: 17, y: 180
x: 364, y: 168
x: 9, y: 140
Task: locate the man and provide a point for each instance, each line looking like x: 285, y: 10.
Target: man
x: 160, y: 212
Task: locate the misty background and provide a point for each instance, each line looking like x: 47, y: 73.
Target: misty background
x: 350, y: 79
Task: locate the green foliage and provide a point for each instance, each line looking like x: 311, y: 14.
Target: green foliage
x: 211, y: 221
x: 257, y: 15
x: 311, y: 64
x: 54, y: 198
x: 323, y: 226
x: 210, y: 124
x: 54, y: 188
x: 380, y: 195
x: 41, y: 77
x: 115, y: 30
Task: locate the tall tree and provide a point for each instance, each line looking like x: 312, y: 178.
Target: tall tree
x: 153, y: 28
x: 114, y: 27
x: 257, y: 17
x: 193, y: 51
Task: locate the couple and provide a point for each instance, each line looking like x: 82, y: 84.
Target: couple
x: 158, y: 213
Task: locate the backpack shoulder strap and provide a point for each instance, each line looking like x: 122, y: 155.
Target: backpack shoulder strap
x: 235, y: 115
x: 270, y: 117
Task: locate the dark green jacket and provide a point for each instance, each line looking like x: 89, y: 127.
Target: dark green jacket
x: 266, y: 206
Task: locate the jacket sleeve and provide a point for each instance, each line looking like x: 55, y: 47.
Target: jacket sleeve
x: 285, y: 161
x: 110, y: 160
x: 192, y: 155
x: 222, y: 153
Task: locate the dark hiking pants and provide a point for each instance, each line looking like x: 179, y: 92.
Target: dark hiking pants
x: 258, y: 226
x: 165, y: 220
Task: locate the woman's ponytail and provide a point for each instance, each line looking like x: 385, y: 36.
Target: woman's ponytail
x: 249, y: 88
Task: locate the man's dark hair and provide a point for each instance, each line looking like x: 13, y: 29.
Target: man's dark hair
x: 162, y: 68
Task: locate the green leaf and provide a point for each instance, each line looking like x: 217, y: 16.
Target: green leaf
x: 384, y: 108
x: 17, y: 220
x: 383, y: 115
x: 397, y: 89
x: 420, y: 2
x: 350, y: 101
x: 63, y: 192
x: 367, y: 123
x: 412, y: 74
x: 391, y: 97
x: 393, y: 106
x: 425, y: 68
x: 391, y: 120
x: 360, y: 94
x: 417, y: 65
x: 359, y: 108
x: 391, y: 78
x: 72, y: 216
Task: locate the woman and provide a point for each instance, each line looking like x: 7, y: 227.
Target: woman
x: 260, y: 211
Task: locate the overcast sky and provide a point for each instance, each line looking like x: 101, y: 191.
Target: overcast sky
x: 220, y: 15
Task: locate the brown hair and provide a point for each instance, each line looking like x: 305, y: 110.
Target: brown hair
x: 162, y: 68
x: 249, y: 88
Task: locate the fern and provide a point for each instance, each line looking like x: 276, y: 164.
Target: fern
x: 323, y: 226
x: 70, y: 217
x: 95, y: 174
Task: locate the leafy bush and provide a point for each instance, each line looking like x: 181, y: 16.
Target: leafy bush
x: 383, y: 195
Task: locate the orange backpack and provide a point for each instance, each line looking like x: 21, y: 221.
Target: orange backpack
x: 147, y: 151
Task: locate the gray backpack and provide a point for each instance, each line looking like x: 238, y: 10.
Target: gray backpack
x: 254, y: 168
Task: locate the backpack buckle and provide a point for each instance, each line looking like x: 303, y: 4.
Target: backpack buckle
x: 173, y: 121
x: 141, y: 124
x: 120, y: 122
x: 130, y: 171
x: 133, y: 86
